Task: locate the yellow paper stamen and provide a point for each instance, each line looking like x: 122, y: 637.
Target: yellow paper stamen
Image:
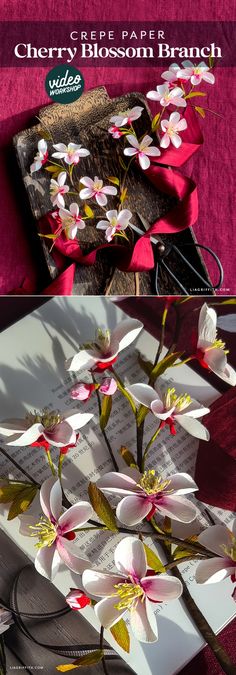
x: 230, y: 550
x: 48, y: 418
x: 180, y: 402
x: 217, y: 344
x: 103, y: 339
x: 128, y: 593
x: 45, y: 531
x: 151, y: 483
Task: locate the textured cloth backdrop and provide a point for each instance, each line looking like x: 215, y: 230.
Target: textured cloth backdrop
x: 24, y: 94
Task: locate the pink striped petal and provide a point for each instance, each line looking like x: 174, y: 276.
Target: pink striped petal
x: 107, y: 613
x: 45, y: 496
x: 71, y: 556
x: 76, y: 516
x: 133, y: 509
x: 162, y: 588
x: 47, y: 561
x: 143, y: 621
x: 130, y: 557
x: 213, y: 570
x: 100, y: 583
x: 177, y: 508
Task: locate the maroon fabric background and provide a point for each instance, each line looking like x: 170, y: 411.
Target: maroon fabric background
x: 24, y: 94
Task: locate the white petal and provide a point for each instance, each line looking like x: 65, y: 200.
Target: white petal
x: 143, y: 161
x: 61, y: 147
x: 76, y: 516
x: 193, y: 427
x: 117, y: 483
x: 209, y: 77
x: 153, y: 95
x: 26, y: 522
x: 133, y: 140
x: 206, y: 326
x: 86, y: 193
x: 56, y: 500
x: 182, y: 125
x: 130, y: 557
x: 162, y: 587
x: 133, y: 509
x: 42, y: 146
x: 176, y: 140
x: 47, y: 561
x: 213, y: 570
x: 109, y: 190
x: 84, y: 359
x: 13, y: 426
x: 165, y: 141
x: 157, y: 409
x: 195, y: 409
x: 45, y: 496
x: 217, y: 361
x: 78, y: 420
x: 182, y: 483
x: 100, y: 583
x: 178, y: 508
x: 174, y: 118
x: 85, y: 180
x: 106, y: 613
x: 126, y: 332
x: 101, y: 199
x: 102, y: 225
x: 71, y: 556
x: 62, y: 178
x: 152, y: 151
x: 122, y: 219
x: 27, y: 437
x: 215, y: 537
x: 143, y: 393
x: 143, y: 621
x: 130, y: 152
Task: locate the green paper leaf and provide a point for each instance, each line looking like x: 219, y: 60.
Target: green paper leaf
x: 9, y: 492
x: 106, y: 406
x: 88, y: 211
x: 48, y: 236
x: 153, y: 561
x: 53, y: 169
x: 22, y: 502
x: 200, y: 111
x: 87, y: 660
x: 102, y: 507
x: 155, y: 122
x: 127, y: 457
x: 123, y: 195
x: 165, y: 363
x: 113, y: 179
x: 192, y: 94
x: 122, y: 164
x: 120, y: 634
x: 230, y: 301
x: 180, y: 551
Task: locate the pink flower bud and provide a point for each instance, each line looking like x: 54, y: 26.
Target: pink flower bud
x: 82, y: 391
x: 76, y: 599
x: 108, y: 386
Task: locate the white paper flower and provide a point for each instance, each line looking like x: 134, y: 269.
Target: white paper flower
x: 171, y: 74
x: 171, y: 128
x: 95, y: 189
x: 115, y: 132
x: 115, y: 223
x: 148, y: 493
x: 59, y: 429
x: 127, y: 117
x: 211, y: 351
x: 58, y: 189
x: 172, y: 408
x: 166, y: 95
x: 142, y: 149
x: 5, y: 620
x: 104, y: 351
x: 71, y: 153
x: 41, y: 157
x: 55, y: 531
x: 196, y: 73
x: 71, y: 220
x: 221, y: 541
x: 131, y: 589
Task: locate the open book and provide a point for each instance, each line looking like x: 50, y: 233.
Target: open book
x: 32, y: 356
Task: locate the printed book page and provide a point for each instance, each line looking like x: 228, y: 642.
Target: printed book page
x: 32, y: 375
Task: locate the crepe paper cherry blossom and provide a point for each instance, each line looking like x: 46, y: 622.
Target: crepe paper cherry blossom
x: 171, y: 128
x: 142, y: 149
x: 127, y: 117
x: 165, y: 95
x: 71, y: 153
x: 115, y: 131
x: 221, y: 541
x: 148, y: 493
x: 196, y: 73
x: 5, y: 620
x: 171, y: 74
x: 102, y: 353
x: 116, y: 223
x: 58, y: 189
x: 94, y: 189
x: 172, y: 408
x: 211, y: 352
x: 55, y: 531
x: 55, y: 427
x: 76, y: 599
x: 132, y: 589
x: 108, y: 387
x: 41, y: 157
x: 82, y: 391
x: 71, y: 220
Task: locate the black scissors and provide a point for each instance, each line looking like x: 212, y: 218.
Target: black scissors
x: 162, y: 252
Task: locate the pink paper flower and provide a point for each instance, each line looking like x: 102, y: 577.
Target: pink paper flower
x: 115, y: 132
x: 146, y: 493
x: 102, y: 353
x: 41, y: 157
x: 131, y: 589
x: 77, y: 600
x: 82, y: 391
x: 211, y: 352
x: 58, y: 189
x: 127, y: 117
x: 94, y: 189
x: 71, y: 220
x: 166, y: 95
x: 142, y: 149
x: 108, y: 386
x: 55, y: 531
x: 172, y: 408
x: 221, y: 541
x: 171, y: 74
x: 115, y: 223
x: 171, y: 128
x: 71, y: 153
x: 55, y: 427
x: 196, y: 73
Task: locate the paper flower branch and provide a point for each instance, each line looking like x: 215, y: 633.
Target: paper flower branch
x: 65, y: 163
x: 140, y: 579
